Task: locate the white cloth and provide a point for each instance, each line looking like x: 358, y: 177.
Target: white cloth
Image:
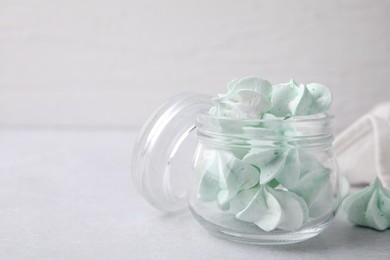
x: 363, y: 149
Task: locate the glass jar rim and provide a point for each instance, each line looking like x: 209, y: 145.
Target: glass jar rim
x: 294, y: 119
x: 318, y: 128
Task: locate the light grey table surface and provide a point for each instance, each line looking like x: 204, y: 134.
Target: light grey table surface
x: 67, y: 194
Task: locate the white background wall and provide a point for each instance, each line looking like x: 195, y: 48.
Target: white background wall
x: 108, y: 63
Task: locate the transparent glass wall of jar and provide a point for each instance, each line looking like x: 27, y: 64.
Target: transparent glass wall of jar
x: 270, y: 181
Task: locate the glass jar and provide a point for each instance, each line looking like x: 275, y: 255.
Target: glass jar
x: 265, y: 181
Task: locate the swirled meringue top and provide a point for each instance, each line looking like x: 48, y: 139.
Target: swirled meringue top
x: 270, y: 208
x: 253, y: 97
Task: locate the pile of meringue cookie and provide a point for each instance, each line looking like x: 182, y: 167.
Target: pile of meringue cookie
x: 283, y: 188
x: 275, y: 188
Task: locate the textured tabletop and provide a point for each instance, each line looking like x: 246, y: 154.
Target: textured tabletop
x: 67, y: 194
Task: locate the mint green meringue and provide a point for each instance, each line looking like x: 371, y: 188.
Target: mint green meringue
x: 297, y: 171
x: 270, y: 208
x: 292, y: 100
x: 222, y: 176
x: 369, y: 207
x: 251, y: 97
x: 255, y: 84
x: 270, y: 163
x: 274, y: 188
x: 246, y: 98
x: 308, y: 178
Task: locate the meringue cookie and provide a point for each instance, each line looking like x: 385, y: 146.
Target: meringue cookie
x: 270, y: 208
x: 237, y: 176
x: 247, y: 98
x: 322, y: 98
x: 270, y: 163
x: 221, y: 176
x: 256, y: 84
x: 292, y: 100
x: 369, y: 207
x: 304, y: 175
x: 244, y: 104
x: 282, y: 98
x: 297, y: 171
x: 252, y: 97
